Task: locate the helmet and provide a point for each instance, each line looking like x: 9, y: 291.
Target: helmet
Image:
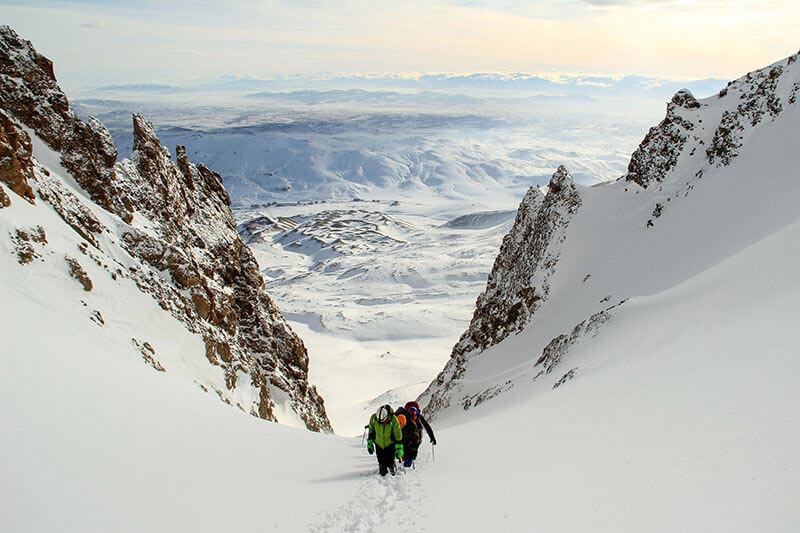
x: 409, y: 405
x: 384, y: 413
x: 402, y: 420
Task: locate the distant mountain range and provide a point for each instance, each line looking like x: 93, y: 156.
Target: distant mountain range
x: 501, y: 83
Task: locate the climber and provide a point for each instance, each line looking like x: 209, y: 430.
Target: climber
x: 412, y: 431
x: 385, y: 434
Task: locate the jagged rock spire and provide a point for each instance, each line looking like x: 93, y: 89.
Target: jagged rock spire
x: 519, y: 281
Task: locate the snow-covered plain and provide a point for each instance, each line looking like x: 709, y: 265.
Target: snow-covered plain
x: 378, y: 144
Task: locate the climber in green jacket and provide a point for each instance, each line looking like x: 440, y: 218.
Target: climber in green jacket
x: 386, y: 435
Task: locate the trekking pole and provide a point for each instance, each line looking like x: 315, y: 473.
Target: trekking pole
x: 433, y: 452
x: 364, y: 436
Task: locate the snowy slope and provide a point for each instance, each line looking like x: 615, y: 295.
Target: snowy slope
x: 682, y: 417
x: 709, y: 449
x: 680, y: 210
x: 95, y: 440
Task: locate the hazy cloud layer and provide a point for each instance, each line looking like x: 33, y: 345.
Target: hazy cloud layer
x: 112, y: 41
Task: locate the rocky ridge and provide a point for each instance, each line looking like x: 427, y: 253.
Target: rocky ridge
x: 751, y: 101
x: 518, y: 283
x: 173, y: 218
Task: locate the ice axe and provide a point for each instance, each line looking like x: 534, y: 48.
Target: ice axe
x: 364, y: 436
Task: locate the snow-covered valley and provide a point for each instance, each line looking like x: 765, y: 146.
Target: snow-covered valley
x: 376, y: 214
x: 379, y: 291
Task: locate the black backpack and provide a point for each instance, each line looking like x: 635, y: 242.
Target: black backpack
x: 412, y: 432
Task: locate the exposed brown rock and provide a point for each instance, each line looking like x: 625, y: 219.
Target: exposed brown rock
x: 28, y: 88
x: 38, y: 235
x: 77, y: 272
x: 685, y: 99
x: 518, y: 281
x: 5, y: 201
x: 757, y: 99
x: 29, y: 92
x: 659, y: 150
x: 25, y: 251
x: 16, y: 165
x: 148, y: 354
x: 201, y: 303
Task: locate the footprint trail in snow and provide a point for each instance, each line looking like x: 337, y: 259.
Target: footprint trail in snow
x: 381, y: 501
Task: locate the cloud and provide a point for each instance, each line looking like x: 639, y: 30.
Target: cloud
x: 604, y: 3
x: 185, y: 52
x: 676, y: 4
x: 94, y: 24
x: 684, y: 38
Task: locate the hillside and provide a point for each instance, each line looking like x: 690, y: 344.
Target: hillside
x: 145, y: 249
x: 715, y: 177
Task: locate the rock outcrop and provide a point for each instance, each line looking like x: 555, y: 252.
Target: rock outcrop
x: 746, y: 103
x: 16, y: 166
x: 29, y: 92
x: 174, y: 219
x: 518, y: 283
x: 757, y: 99
x: 658, y: 152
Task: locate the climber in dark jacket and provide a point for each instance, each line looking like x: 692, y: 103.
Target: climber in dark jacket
x: 412, y: 431
x: 386, y: 435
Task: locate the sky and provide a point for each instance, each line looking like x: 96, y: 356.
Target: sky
x: 160, y: 41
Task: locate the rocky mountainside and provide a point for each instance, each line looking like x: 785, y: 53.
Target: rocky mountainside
x: 714, y: 177
x: 164, y: 227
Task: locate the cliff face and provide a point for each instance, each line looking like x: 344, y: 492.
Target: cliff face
x: 519, y: 281
x: 172, y: 218
x: 29, y: 92
x: 714, y: 177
